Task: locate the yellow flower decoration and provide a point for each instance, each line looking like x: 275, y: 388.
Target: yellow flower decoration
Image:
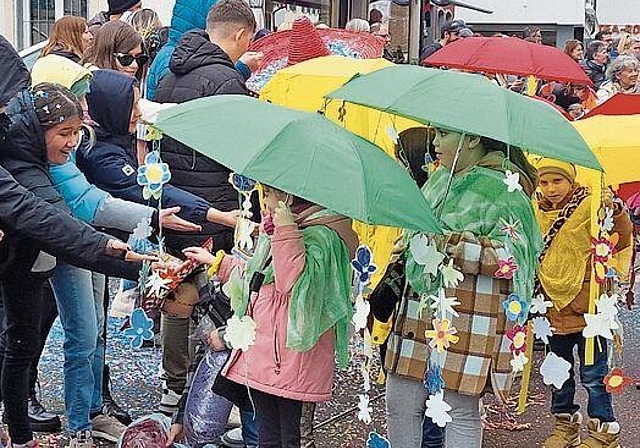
x: 442, y: 335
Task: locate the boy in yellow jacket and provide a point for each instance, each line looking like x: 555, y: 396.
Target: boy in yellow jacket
x: 564, y: 213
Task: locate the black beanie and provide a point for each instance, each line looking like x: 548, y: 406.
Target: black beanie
x: 120, y: 6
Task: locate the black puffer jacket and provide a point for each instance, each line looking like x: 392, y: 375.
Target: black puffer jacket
x: 199, y: 68
x: 23, y: 155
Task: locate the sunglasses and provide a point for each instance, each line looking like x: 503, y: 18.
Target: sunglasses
x: 127, y: 59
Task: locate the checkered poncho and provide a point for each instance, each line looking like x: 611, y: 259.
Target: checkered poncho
x: 473, y: 217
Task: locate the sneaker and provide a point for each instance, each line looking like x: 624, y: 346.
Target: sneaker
x: 82, y: 439
x: 234, y: 418
x: 107, y: 428
x: 601, y: 435
x: 169, y: 401
x: 40, y: 419
x: 233, y: 438
x: 566, y: 434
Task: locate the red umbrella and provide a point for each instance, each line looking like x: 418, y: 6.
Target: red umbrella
x: 618, y: 104
x: 510, y: 56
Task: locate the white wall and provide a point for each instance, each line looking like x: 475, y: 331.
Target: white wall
x: 619, y: 12
x: 562, y: 12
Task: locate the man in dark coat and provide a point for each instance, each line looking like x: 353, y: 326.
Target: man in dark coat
x: 202, y: 65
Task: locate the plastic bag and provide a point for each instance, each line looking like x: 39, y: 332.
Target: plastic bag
x: 206, y: 413
x: 147, y: 432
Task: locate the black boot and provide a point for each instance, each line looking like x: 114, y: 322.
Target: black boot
x: 40, y: 419
x: 109, y: 406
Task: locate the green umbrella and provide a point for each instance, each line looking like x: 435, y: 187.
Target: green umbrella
x: 472, y: 104
x: 303, y: 154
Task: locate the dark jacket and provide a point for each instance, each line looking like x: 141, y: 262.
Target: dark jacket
x: 596, y: 72
x: 24, y: 157
x: 109, y: 165
x: 199, y: 69
x: 14, y: 75
x: 66, y: 54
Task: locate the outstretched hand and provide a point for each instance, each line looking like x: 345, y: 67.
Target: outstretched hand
x: 175, y: 433
x: 169, y: 218
x: 199, y: 254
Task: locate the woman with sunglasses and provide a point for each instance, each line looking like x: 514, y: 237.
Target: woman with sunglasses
x: 117, y: 46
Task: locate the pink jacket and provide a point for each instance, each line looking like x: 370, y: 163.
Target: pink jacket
x: 269, y: 366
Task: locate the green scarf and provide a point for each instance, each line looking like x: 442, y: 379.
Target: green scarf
x: 479, y: 203
x: 321, y: 297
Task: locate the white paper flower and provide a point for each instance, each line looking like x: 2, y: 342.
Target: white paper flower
x: 598, y: 325
x: 364, y: 410
x: 607, y: 223
x: 539, y: 305
x: 443, y: 305
x: 393, y: 134
x: 426, y: 254
x: 555, y: 370
x: 361, y: 313
x: 240, y: 333
x: 437, y: 410
x: 143, y: 229
x: 244, y: 232
x: 518, y: 362
x: 608, y: 306
x: 542, y: 328
x: 156, y: 285
x: 512, y: 181
x: 451, y: 277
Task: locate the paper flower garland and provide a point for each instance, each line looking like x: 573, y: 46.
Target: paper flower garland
x: 438, y: 410
x: 153, y: 175
x: 512, y: 181
x: 506, y: 268
x: 426, y: 254
x: 542, y: 328
x: 605, y: 320
x: 606, y: 223
x: 442, y: 335
x: 364, y: 269
x: 518, y: 337
x: 240, y: 333
x: 603, y: 249
x: 516, y: 308
x: 375, y: 440
x: 616, y: 381
x: 555, y: 370
x: 140, y: 329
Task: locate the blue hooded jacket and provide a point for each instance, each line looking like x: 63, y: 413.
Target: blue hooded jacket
x: 110, y: 164
x: 187, y: 15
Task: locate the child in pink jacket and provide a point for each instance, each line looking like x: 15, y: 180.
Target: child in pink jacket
x: 301, y: 311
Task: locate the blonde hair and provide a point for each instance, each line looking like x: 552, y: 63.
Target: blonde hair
x: 66, y: 34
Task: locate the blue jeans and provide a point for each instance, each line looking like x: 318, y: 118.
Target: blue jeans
x: 599, y: 405
x: 432, y: 434
x: 249, y: 428
x: 79, y: 294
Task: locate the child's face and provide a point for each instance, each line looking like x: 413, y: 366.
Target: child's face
x: 555, y: 187
x: 272, y: 197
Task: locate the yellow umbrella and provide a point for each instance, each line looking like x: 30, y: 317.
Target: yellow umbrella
x: 615, y: 140
x: 303, y: 86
